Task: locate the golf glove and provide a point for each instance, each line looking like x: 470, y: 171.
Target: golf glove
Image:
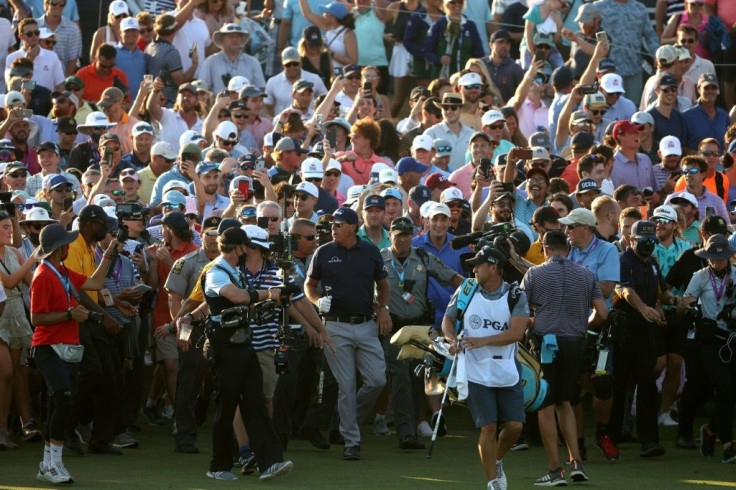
x: 324, y: 304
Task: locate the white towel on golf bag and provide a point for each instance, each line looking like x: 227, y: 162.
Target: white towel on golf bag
x: 460, y: 378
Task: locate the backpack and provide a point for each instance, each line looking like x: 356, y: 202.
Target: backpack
x: 535, y: 388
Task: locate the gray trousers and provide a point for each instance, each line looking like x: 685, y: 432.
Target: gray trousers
x: 357, y: 347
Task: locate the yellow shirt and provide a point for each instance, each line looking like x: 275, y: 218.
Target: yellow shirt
x: 148, y: 179
x: 197, y: 293
x: 535, y: 255
x: 81, y: 259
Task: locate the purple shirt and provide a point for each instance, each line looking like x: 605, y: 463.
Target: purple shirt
x: 638, y: 173
x: 708, y: 199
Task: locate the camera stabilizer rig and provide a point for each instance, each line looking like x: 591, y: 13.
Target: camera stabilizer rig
x: 128, y: 211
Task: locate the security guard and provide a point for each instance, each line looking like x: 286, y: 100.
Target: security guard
x: 408, y: 269
x: 235, y: 368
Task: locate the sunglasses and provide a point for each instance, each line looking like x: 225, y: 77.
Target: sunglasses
x: 144, y: 127
x: 288, y: 204
x: 454, y: 204
x: 691, y: 171
x: 144, y: 30
x: 451, y: 107
x: 313, y: 179
x: 353, y: 77
x: 36, y: 226
x: 474, y: 86
x: 247, y: 166
x: 662, y: 221
x: 598, y: 112
x: 74, y: 133
x: 496, y: 126
x: 272, y: 219
x: 60, y: 100
x: 332, y: 173
x: 228, y: 143
x: 57, y: 4
x: 47, y: 42
x: 106, y: 67
x: 121, y: 16
x: 248, y: 213
x: 291, y: 64
x: 309, y: 238
x: 573, y: 226
x: 32, y: 33
x: 239, y: 116
x: 26, y: 207
x: 687, y: 41
x: 167, y: 205
x: 537, y: 180
x: 708, y: 153
x: 646, y: 241
x: 15, y: 175
x: 63, y: 188
x: 444, y: 148
x: 338, y: 224
x: 118, y: 193
x: 668, y: 90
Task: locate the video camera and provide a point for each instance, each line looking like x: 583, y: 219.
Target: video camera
x: 128, y: 211
x: 497, y: 237
x: 6, y: 205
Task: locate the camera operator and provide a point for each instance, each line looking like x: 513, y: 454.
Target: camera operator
x: 409, y: 270
x: 641, y: 287
x: 179, y: 284
x: 500, y: 202
x: 96, y: 394
x: 119, y: 301
x: 712, y: 288
x: 235, y: 365
x: 352, y: 267
x: 55, y: 313
x: 697, y: 390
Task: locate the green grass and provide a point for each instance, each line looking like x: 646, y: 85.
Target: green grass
x: 455, y: 465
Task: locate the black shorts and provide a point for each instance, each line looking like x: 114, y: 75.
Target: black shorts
x: 671, y: 338
x: 563, y: 374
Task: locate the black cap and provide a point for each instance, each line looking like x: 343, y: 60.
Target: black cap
x: 420, y: 194
x: 500, y: 34
x: 374, y: 201
x: 237, y: 104
x: 67, y: 125
x: 48, y: 146
x: 226, y: 224
x: 175, y: 220
x: 312, y: 36
x: 345, y: 214
x: 211, y: 223
x: 234, y: 236
x: 92, y: 212
x: 545, y: 214
x: 488, y: 254
x: 401, y: 225
x: 715, y: 225
x: 582, y: 141
x: 433, y: 106
x: 554, y: 238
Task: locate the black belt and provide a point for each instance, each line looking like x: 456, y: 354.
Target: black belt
x: 349, y: 319
x: 397, y: 323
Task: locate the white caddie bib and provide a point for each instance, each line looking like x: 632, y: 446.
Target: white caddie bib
x: 493, y: 366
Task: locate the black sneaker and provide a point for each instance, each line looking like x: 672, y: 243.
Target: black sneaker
x: 707, y: 441
x: 729, y: 455
x: 249, y: 465
x: 651, y: 450
x: 577, y: 472
x: 31, y: 432
x: 555, y: 478
x: 410, y: 442
x: 152, y: 416
x: 351, y: 453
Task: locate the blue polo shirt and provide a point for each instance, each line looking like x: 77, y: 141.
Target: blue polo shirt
x: 700, y: 126
x: 163, y: 179
x: 674, y: 126
x: 351, y: 273
x: 439, y: 294
x: 134, y: 66
x: 600, y: 258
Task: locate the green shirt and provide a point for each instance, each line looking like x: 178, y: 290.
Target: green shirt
x: 385, y: 240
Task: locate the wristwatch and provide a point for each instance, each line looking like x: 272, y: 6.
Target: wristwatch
x: 69, y: 314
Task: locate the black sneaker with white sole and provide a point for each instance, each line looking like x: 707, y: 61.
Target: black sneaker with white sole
x: 577, y: 472
x: 554, y: 478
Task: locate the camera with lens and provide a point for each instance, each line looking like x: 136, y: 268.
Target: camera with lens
x: 235, y: 317
x: 264, y: 312
x: 95, y: 317
x: 6, y: 205
x: 282, y: 246
x: 728, y: 314
x: 128, y: 211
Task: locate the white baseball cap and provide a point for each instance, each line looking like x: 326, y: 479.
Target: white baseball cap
x: 470, y: 78
x: 438, y: 208
x: 236, y: 83
x: 227, y: 130
x: 451, y: 194
x: 257, y: 236
x: 307, y: 187
x: 687, y: 196
x: 190, y: 136
x: 387, y: 175
x: 422, y: 141
x: 165, y: 150
x: 642, y: 117
x: 491, y: 117
x: 670, y: 145
x: 667, y: 212
x: 378, y: 166
x: 539, y: 153
x: 312, y: 168
x: 118, y: 7
x: 612, y: 83
x: 45, y: 33
x: 334, y: 165
x: 129, y: 23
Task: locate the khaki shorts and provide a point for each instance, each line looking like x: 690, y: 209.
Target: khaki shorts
x: 167, y: 348
x: 270, y: 378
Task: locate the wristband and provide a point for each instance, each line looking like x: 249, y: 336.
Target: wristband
x: 190, y: 316
x: 170, y: 328
x: 69, y: 314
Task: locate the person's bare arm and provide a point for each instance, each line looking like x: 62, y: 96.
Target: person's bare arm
x: 659, y: 14
x: 479, y: 216
x: 22, y: 274
x: 315, y: 19
x: 529, y: 36
x: 210, y: 122
x: 311, y: 291
x: 521, y: 91
x: 153, y: 106
x: 284, y: 33
x: 563, y: 122
x: 185, y: 13
x: 175, y: 302
x: 140, y: 99
x: 351, y: 50
x: 383, y: 296
x: 600, y: 312
x: 607, y: 288
x: 97, y: 280
x: 669, y: 35
x: 71, y: 67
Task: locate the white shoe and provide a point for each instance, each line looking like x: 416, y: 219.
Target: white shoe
x: 500, y: 477
x: 495, y: 485
x: 41, y: 471
x: 148, y: 358
x: 667, y: 420
x: 380, y: 427
x: 424, y: 429
x: 57, y: 473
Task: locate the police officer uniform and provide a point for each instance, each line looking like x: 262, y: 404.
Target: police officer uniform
x: 236, y: 371
x: 408, y: 279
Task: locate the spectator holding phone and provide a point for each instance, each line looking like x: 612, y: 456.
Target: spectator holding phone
x: 102, y: 73
x: 165, y: 62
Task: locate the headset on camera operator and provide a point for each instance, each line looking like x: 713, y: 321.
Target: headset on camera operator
x: 715, y: 328
x: 235, y: 366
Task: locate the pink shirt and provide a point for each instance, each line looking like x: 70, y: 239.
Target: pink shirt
x: 360, y: 170
x: 699, y: 48
x: 531, y: 117
x: 726, y: 10
x: 462, y: 178
x: 259, y: 129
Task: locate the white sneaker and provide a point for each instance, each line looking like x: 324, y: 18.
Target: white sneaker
x: 41, y: 471
x: 667, y: 420
x: 500, y: 477
x: 424, y: 429
x: 148, y: 358
x: 380, y: 427
x: 495, y: 485
x: 58, y: 473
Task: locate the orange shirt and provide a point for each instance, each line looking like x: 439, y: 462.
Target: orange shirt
x: 94, y: 85
x: 123, y: 129
x: 161, y: 313
x: 710, y: 184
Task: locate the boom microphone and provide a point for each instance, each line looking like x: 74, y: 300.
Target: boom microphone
x: 463, y: 241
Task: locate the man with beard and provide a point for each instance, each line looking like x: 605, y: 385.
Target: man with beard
x: 537, y: 183
x: 279, y: 87
x: 110, y: 143
x: 471, y: 88
x: 206, y: 184
x: 179, y: 119
x: 453, y: 199
x: 181, y: 281
x: 141, y: 137
x: 480, y: 146
x: 19, y: 132
x: 505, y: 73
x: 372, y: 231
x: 177, y: 243
x: 48, y: 159
x: 499, y: 204
x: 586, y: 191
x: 288, y: 155
x: 607, y: 212
x: 668, y: 121
x: 642, y: 287
x: 668, y: 171
x: 95, y: 400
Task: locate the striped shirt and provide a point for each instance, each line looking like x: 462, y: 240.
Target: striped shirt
x: 560, y: 292
x: 264, y: 336
x: 68, y: 40
x: 163, y: 56
x: 124, y: 275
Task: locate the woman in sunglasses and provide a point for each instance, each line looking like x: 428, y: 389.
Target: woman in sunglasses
x: 110, y: 33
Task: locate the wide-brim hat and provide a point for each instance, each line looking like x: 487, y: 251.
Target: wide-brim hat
x: 716, y: 248
x: 230, y: 29
x: 53, y: 237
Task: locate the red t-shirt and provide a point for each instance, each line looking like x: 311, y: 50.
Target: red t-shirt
x: 48, y: 295
x: 161, y: 312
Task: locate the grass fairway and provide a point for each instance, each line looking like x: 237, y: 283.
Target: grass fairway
x: 455, y: 465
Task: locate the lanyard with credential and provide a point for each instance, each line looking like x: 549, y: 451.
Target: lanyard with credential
x: 64, y: 282
x: 400, y: 274
x: 584, y: 255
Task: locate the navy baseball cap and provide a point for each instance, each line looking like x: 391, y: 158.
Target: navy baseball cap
x: 489, y: 255
x: 606, y: 64
x: 226, y: 224
x: 644, y: 229
x: 374, y: 201
x: 420, y: 194
x: 345, y: 215
x: 175, y: 220
x: 408, y: 164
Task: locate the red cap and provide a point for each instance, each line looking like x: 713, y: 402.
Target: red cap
x: 624, y: 126
x: 438, y: 181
